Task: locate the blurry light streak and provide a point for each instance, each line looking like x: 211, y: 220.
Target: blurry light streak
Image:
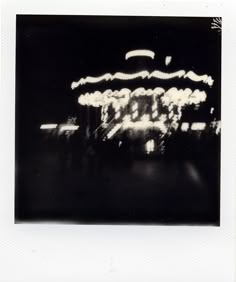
x: 198, y: 126
x: 144, y: 74
x: 145, y: 118
x: 149, y: 146
x: 48, y: 126
x: 211, y: 110
x: 69, y: 127
x: 143, y: 125
x: 122, y: 97
x: 126, y: 118
x: 114, y: 130
x: 135, y: 114
x: 140, y: 53
x: 216, y: 125
x: 117, y: 115
x: 154, y: 114
x: 185, y: 126
x: 171, y: 114
x: 168, y: 60
x: 134, y: 106
x: 154, y: 106
x: 218, y: 128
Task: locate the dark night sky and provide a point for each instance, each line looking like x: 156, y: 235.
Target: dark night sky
x: 53, y: 51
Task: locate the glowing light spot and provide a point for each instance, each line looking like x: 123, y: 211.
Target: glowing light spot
x: 48, y: 126
x: 168, y: 60
x: 216, y: 125
x: 171, y: 114
x: 134, y: 106
x: 154, y: 114
x: 140, y: 53
x: 149, y: 146
x: 69, y: 127
x: 185, y: 126
x: 145, y: 117
x: 135, y: 114
x: 117, y: 115
x: 143, y: 125
x: 211, y: 110
x: 126, y: 118
x: 198, y: 126
x: 114, y: 130
x: 154, y: 106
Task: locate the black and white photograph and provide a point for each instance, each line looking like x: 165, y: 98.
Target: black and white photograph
x: 118, y: 119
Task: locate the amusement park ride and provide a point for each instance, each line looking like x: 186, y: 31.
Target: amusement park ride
x: 148, y: 113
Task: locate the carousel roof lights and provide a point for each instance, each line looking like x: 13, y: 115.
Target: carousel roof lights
x: 140, y: 53
x: 145, y: 74
x: 120, y: 98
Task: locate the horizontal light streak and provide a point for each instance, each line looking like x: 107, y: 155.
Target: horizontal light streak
x: 140, y: 53
x: 198, y: 126
x: 48, y: 126
x: 69, y: 127
x: 143, y: 125
x: 145, y: 74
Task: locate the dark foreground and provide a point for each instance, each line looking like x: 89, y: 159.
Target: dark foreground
x: 71, y: 188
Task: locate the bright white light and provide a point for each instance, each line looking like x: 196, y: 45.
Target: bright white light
x: 185, y: 126
x: 143, y: 125
x: 217, y: 126
x: 168, y: 60
x: 114, y: 130
x: 135, y: 114
x: 171, y: 114
x: 69, y: 127
x: 212, y: 110
x: 149, y: 146
x: 198, y: 126
x: 140, y: 53
x: 154, y: 106
x: 204, y: 78
x: 121, y: 98
x: 117, y: 115
x: 48, y: 126
x: 145, y: 117
x: 145, y: 74
x: 126, y: 118
x: 154, y: 114
x: 116, y: 107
